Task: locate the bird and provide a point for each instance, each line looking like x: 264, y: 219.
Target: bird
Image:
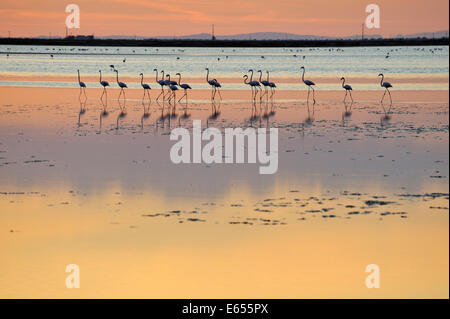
x: 271, y: 84
x: 184, y: 86
x: 81, y: 84
x: 309, y: 84
x: 255, y: 85
x: 348, y: 89
x: 217, y: 86
x: 248, y: 83
x: 385, y: 85
x: 145, y: 86
x: 120, y: 84
x: 173, y: 87
x: 161, y: 83
x: 104, y: 84
x: 213, y: 84
x: 265, y: 83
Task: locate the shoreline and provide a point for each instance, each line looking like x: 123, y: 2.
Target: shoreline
x: 225, y: 43
x: 44, y: 94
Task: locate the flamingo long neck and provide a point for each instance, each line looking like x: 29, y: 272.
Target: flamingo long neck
x: 382, y: 80
x: 179, y: 79
x: 246, y: 80
x: 207, y: 75
x: 303, y: 75
x: 267, y: 76
x: 162, y: 77
x: 168, y: 75
x: 117, y: 76
x: 142, y: 79
x: 156, y: 71
x: 100, y: 76
x: 260, y: 76
x: 251, y: 77
x: 78, y: 76
x: 343, y: 82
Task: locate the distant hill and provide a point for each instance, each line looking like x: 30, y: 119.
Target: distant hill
x: 263, y: 36
x: 271, y: 36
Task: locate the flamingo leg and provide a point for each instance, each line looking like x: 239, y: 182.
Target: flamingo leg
x: 390, y: 97
x: 346, y: 92
x: 314, y: 98
x: 162, y: 92
x: 350, y: 92
x: 220, y: 95
x: 185, y: 94
x: 307, y: 98
x: 383, y: 96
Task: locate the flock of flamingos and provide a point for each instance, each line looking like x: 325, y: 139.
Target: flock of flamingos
x: 255, y: 85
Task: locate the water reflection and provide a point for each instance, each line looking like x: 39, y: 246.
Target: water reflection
x: 122, y: 113
x: 310, y: 118
x: 82, y: 111
x: 347, y: 112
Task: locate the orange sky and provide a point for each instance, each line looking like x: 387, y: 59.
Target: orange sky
x: 170, y: 17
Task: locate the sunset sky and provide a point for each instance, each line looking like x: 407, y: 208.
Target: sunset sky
x: 170, y: 17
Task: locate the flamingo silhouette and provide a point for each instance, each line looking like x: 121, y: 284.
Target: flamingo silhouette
x: 348, y: 89
x: 248, y: 83
x: 265, y: 83
x: 215, y: 85
x: 146, y: 87
x: 385, y: 85
x: 122, y: 85
x: 184, y: 86
x: 173, y: 88
x: 271, y: 84
x: 309, y: 84
x: 255, y: 85
x: 81, y: 84
x: 161, y: 83
x: 104, y: 84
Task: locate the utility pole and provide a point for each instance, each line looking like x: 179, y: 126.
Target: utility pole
x: 213, y: 37
x: 362, y: 31
x: 9, y: 34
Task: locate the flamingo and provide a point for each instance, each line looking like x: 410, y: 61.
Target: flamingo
x: 271, y: 84
x: 120, y: 84
x: 255, y: 85
x: 104, y: 84
x: 172, y: 86
x: 217, y: 87
x: 385, y: 85
x: 348, y: 89
x: 212, y: 83
x: 161, y: 83
x: 248, y: 83
x: 145, y: 86
x: 184, y: 86
x: 309, y: 84
x: 81, y: 84
x: 265, y: 83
